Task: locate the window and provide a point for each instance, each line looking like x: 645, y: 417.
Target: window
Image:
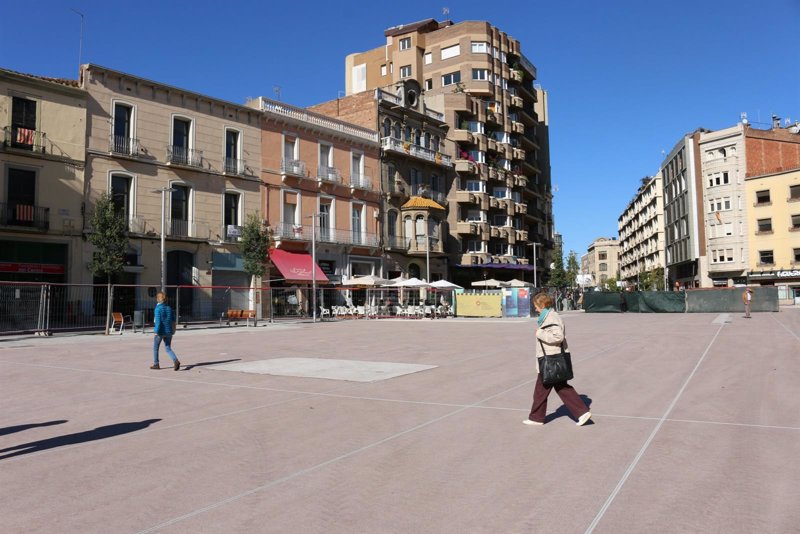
x: 796, y: 255
x: 233, y: 163
x: 794, y: 192
x: 357, y: 167
x: 474, y: 216
x: 358, y: 78
x: 231, y: 215
x: 499, y: 220
x: 602, y: 256
x: 480, y: 74
x: 387, y: 127
x: 121, y: 196
x: 795, y: 222
x: 480, y: 47
x: 476, y: 186
x: 181, y: 141
x: 728, y: 228
x: 436, y: 183
x: 179, y: 210
x: 325, y: 216
x: 405, y: 71
x: 603, y: 267
x: 428, y: 58
x: 451, y: 51
x: 764, y: 225
x: 407, y: 134
x: 23, y: 123
x: 391, y: 223
x: 383, y: 70
x: 325, y: 157
x: 123, y: 129
x: 451, y: 78
x: 357, y: 220
x: 416, y: 181
x: 762, y: 197
x: 429, y: 84
x: 405, y: 43
x: 397, y: 131
x: 727, y: 203
x: 725, y: 179
x: 765, y: 257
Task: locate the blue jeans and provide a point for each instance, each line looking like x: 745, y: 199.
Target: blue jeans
x: 167, y: 345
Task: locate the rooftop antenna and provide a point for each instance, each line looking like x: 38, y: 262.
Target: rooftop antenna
x: 80, y: 44
x: 743, y: 116
x: 445, y: 11
x: 277, y: 90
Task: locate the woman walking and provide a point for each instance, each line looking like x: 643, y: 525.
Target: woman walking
x: 164, y: 328
x: 550, y: 337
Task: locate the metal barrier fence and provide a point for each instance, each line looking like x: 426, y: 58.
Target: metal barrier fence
x: 47, y: 308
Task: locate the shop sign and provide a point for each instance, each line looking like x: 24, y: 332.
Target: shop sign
x: 32, y: 268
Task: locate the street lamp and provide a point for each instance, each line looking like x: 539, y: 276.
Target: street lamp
x: 428, y: 255
x: 163, y: 191
x: 534, y: 245
x: 314, y: 218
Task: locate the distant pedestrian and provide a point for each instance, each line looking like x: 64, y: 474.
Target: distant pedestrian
x: 747, y: 298
x: 164, y: 329
x: 551, y: 337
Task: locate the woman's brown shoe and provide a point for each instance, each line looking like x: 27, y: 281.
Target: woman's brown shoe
x: 177, y: 365
x: 155, y: 366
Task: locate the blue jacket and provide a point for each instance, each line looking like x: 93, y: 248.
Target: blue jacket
x: 164, y: 317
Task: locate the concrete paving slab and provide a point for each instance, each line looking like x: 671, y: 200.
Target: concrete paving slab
x: 327, y: 368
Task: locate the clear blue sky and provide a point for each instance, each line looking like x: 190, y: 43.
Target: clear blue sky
x: 626, y: 78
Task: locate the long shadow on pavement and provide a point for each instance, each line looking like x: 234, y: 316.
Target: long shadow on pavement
x: 20, y: 428
x: 563, y: 412
x: 201, y: 364
x: 100, y: 432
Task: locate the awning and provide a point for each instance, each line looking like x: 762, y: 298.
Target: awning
x: 296, y: 266
x: 513, y: 266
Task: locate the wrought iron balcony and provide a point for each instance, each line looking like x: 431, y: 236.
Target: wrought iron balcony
x: 123, y: 146
x: 298, y: 232
x: 24, y: 139
x: 294, y: 167
x: 417, y: 151
x: 24, y: 216
x: 359, y: 181
x: 235, y: 166
x: 329, y: 174
x: 397, y: 243
x: 188, y: 229
x: 189, y: 157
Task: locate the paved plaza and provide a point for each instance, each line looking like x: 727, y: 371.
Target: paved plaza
x: 695, y: 429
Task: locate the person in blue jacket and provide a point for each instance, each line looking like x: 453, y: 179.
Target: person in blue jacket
x: 164, y: 328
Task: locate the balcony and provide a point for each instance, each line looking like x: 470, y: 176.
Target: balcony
x: 185, y: 157
x: 438, y: 197
x: 518, y: 153
x: 417, y: 151
x: 20, y: 215
x: 467, y: 197
x: 395, y: 187
x: 17, y: 138
x: 474, y: 258
x: 468, y: 227
x: 297, y: 232
x: 397, y: 243
x: 528, y: 115
x: 293, y: 167
x: 465, y: 166
x: 359, y: 181
x: 230, y: 233
x: 434, y: 114
x: 520, y: 208
x: 419, y: 245
x: 123, y: 146
x: 235, y: 166
x: 188, y: 229
x: 516, y: 101
x: 517, y: 127
x: 328, y: 175
x: 462, y: 136
x: 522, y: 235
x: 516, y: 75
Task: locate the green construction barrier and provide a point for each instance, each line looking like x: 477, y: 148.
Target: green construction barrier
x: 730, y: 300
x: 602, y: 302
x: 633, y: 300
x: 662, y: 302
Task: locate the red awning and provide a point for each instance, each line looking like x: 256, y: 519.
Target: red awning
x: 295, y: 266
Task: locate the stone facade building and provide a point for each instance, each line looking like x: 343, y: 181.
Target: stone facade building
x: 602, y: 260
x: 641, y: 233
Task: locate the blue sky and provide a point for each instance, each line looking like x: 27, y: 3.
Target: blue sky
x: 626, y: 79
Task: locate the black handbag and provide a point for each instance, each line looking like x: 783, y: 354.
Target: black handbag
x: 555, y: 368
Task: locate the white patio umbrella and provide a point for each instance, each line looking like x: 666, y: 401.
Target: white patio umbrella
x: 491, y: 282
x: 444, y: 284
x: 369, y: 280
x: 518, y: 283
x: 411, y: 282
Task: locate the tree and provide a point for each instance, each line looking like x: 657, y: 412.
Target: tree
x: 255, y: 245
x: 572, y: 268
x: 109, y: 238
x: 611, y: 284
x: 558, y: 278
x: 110, y: 242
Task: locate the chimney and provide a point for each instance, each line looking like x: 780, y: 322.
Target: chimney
x: 776, y: 122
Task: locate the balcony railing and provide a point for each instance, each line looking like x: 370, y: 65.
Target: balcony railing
x: 421, y: 244
x: 230, y: 233
x: 297, y: 232
x: 329, y: 174
x: 180, y: 155
x: 398, y: 243
x: 439, y: 197
x: 24, y: 139
x: 303, y: 115
x: 235, y: 166
x: 359, y: 181
x: 396, y: 145
x: 25, y: 216
x: 394, y: 187
x: 434, y: 114
x: 193, y: 229
x: 295, y: 167
x: 124, y: 146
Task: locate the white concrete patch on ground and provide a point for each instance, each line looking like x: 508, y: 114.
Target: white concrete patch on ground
x: 722, y: 318
x: 351, y: 370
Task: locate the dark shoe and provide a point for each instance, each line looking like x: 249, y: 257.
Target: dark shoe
x: 155, y: 366
x: 177, y: 365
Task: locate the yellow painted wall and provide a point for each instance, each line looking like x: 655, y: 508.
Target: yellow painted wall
x: 486, y: 305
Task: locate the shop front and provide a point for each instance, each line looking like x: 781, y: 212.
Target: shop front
x: 787, y: 281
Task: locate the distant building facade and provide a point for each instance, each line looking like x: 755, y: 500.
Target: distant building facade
x: 641, y: 233
x: 603, y: 260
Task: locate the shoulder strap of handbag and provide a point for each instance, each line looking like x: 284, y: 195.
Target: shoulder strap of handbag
x: 544, y: 352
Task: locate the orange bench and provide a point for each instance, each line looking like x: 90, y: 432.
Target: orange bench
x: 238, y: 315
x: 118, y: 320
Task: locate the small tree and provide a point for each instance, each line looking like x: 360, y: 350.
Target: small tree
x: 256, y: 240
x: 572, y: 268
x: 558, y: 277
x: 110, y: 242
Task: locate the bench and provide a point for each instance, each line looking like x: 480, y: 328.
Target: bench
x: 238, y: 315
x: 118, y: 320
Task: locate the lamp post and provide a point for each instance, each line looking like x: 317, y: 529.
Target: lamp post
x: 428, y: 256
x: 314, y: 218
x: 163, y: 191
x: 535, y: 267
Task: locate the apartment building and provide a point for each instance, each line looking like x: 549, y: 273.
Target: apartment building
x: 602, y: 261
x: 476, y: 74
x: 145, y: 137
x: 415, y: 173
x: 641, y: 232
x: 42, y: 161
x: 684, y: 228
x: 321, y: 183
